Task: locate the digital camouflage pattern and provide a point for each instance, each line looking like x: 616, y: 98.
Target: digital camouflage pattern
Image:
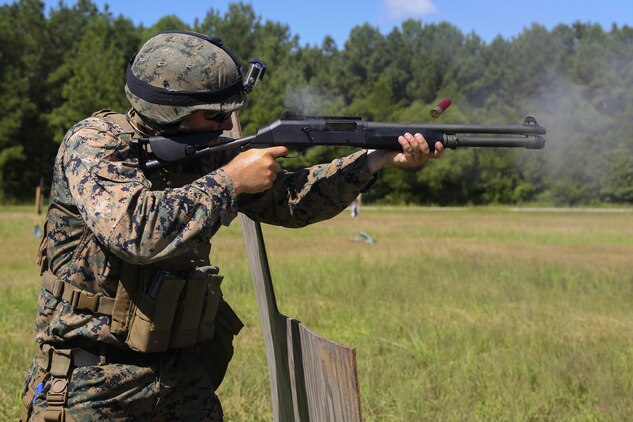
x: 133, y: 393
x: 105, y: 212
x: 182, y: 62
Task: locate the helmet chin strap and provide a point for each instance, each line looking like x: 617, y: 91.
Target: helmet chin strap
x: 141, y: 124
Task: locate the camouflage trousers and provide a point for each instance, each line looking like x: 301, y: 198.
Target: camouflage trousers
x: 175, y: 387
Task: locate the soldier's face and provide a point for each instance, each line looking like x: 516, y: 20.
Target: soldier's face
x: 197, y: 122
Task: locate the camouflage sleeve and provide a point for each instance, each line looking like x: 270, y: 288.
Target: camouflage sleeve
x: 114, y: 198
x: 310, y: 195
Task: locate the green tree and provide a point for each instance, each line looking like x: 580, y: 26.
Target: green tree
x: 97, y: 68
x: 237, y: 28
x: 21, y: 52
x: 361, y: 62
x: 618, y: 184
x: 166, y: 23
x: 59, y: 67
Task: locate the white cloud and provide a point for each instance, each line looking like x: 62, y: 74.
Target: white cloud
x: 405, y: 9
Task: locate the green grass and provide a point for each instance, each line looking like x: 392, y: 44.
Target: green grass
x: 456, y: 314
x: 18, y: 294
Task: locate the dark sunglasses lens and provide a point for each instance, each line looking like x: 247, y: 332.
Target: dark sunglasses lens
x: 216, y: 117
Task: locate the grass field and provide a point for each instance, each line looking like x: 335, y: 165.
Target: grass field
x: 456, y: 314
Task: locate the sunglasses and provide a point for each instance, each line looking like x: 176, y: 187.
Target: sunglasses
x: 216, y: 116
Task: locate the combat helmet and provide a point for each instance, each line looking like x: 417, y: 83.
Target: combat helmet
x: 177, y: 73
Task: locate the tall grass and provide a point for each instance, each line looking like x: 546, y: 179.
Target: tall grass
x: 18, y: 293
x: 456, y: 314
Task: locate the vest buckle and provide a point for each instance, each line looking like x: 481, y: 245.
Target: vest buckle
x: 80, y: 299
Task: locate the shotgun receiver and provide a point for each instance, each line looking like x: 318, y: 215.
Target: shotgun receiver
x: 302, y: 132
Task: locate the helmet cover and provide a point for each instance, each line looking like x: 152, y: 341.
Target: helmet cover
x: 177, y: 73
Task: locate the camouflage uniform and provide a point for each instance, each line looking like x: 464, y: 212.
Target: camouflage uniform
x: 105, y: 214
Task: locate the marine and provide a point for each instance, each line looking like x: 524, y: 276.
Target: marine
x: 132, y: 322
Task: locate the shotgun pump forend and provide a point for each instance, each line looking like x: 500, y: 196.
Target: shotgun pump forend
x: 301, y: 132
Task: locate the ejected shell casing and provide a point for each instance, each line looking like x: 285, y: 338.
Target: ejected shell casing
x: 441, y: 107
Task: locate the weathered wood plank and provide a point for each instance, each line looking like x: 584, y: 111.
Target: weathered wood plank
x: 273, y: 324
x: 311, y: 377
x: 297, y: 373
x: 331, y: 378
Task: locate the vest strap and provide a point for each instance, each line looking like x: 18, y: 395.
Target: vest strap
x: 60, y: 366
x: 78, y: 298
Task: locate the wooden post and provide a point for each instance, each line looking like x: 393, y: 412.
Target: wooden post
x: 39, y: 203
x: 311, y: 378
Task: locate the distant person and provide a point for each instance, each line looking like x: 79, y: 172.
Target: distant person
x: 356, y: 206
x: 131, y: 321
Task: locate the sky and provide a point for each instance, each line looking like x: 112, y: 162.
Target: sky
x: 313, y: 20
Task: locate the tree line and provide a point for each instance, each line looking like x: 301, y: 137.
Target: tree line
x: 57, y: 66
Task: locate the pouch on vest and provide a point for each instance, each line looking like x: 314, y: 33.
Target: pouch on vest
x: 218, y: 351
x: 153, y: 314
x: 173, y: 312
x: 194, y: 320
x: 129, y: 285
